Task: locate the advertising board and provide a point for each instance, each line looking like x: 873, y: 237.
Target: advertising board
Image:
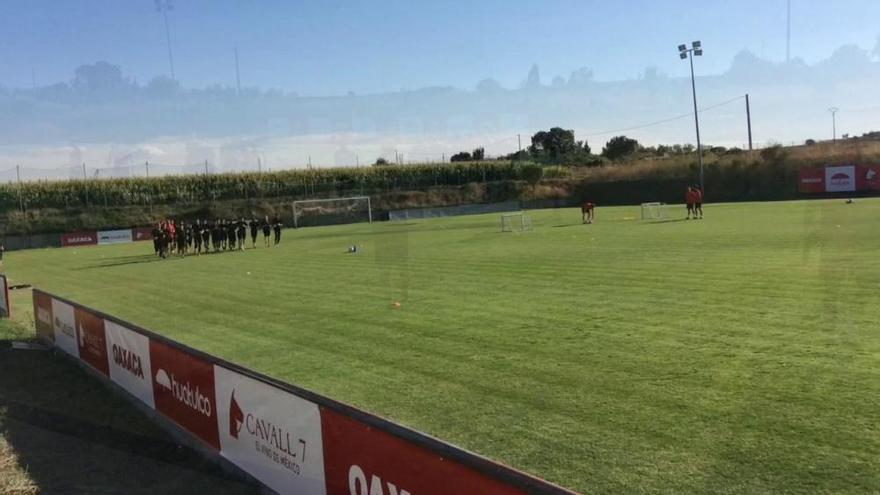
x: 79, y: 239
x: 114, y: 236
x: 129, y: 361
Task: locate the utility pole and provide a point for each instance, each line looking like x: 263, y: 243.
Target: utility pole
x: 834, y: 111
x: 519, y: 142
x: 147, y: 166
x: 749, y: 120
x: 85, y: 184
x: 787, y: 31
x: 357, y: 160
x: 310, y: 161
x: 396, y: 157
x: 20, y: 197
x: 237, y: 73
x: 163, y: 6
x: 206, y: 167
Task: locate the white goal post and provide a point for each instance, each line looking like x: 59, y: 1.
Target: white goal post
x: 355, y: 208
x: 653, y: 211
x: 515, y: 222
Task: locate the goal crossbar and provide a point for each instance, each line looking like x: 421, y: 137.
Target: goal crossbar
x: 297, y: 203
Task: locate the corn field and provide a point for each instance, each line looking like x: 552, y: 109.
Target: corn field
x: 325, y: 182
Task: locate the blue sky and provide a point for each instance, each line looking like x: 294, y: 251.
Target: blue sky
x: 331, y: 47
x: 335, y: 46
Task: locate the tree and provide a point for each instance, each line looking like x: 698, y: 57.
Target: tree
x: 619, y: 147
x: 479, y: 154
x: 381, y: 162
x: 553, y: 143
x: 463, y: 156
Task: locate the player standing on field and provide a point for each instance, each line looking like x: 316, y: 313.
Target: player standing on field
x: 698, y: 202
x: 689, y: 201
x: 255, y: 226
x: 277, y: 228
x: 241, y: 233
x: 267, y: 229
x: 587, y: 212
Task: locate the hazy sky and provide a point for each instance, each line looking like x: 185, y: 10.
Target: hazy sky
x: 336, y: 46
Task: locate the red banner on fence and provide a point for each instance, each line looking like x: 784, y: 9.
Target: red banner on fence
x: 812, y: 180
x: 79, y: 239
x: 361, y: 459
x: 91, y: 340
x: 183, y: 390
x: 43, y: 317
x: 142, y: 234
x: 868, y: 178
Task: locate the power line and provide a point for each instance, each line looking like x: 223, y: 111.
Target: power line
x: 670, y: 119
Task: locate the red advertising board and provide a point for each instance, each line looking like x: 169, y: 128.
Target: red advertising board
x: 91, y: 340
x: 43, y: 317
x: 142, y: 234
x: 183, y: 390
x: 868, y: 178
x: 360, y: 460
x: 812, y: 180
x: 79, y: 239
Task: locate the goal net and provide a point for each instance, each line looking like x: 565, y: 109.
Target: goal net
x: 515, y: 222
x: 653, y: 211
x: 333, y: 211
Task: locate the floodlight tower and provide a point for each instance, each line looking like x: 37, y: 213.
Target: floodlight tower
x: 696, y: 50
x: 163, y: 7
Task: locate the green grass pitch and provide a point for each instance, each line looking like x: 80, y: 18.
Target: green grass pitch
x: 737, y: 354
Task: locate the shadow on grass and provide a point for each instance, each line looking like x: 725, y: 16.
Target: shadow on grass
x: 73, y: 435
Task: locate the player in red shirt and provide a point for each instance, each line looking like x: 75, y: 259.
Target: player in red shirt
x: 698, y: 202
x: 689, y: 199
x: 587, y: 212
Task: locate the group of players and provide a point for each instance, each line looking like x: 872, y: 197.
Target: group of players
x: 203, y: 236
x: 694, y: 200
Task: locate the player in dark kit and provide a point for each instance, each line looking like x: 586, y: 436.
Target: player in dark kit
x: 156, y: 233
x: 206, y: 235
x: 255, y: 227
x: 267, y: 229
x: 215, y: 235
x: 241, y: 234
x: 277, y: 228
x: 197, y: 237
x: 231, y: 235
x: 181, y: 240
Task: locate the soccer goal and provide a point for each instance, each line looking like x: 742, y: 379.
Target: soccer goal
x: 653, y: 211
x: 515, y: 222
x: 333, y: 211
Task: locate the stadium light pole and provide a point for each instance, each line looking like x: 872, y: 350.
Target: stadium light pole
x: 696, y: 50
x: 163, y: 6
